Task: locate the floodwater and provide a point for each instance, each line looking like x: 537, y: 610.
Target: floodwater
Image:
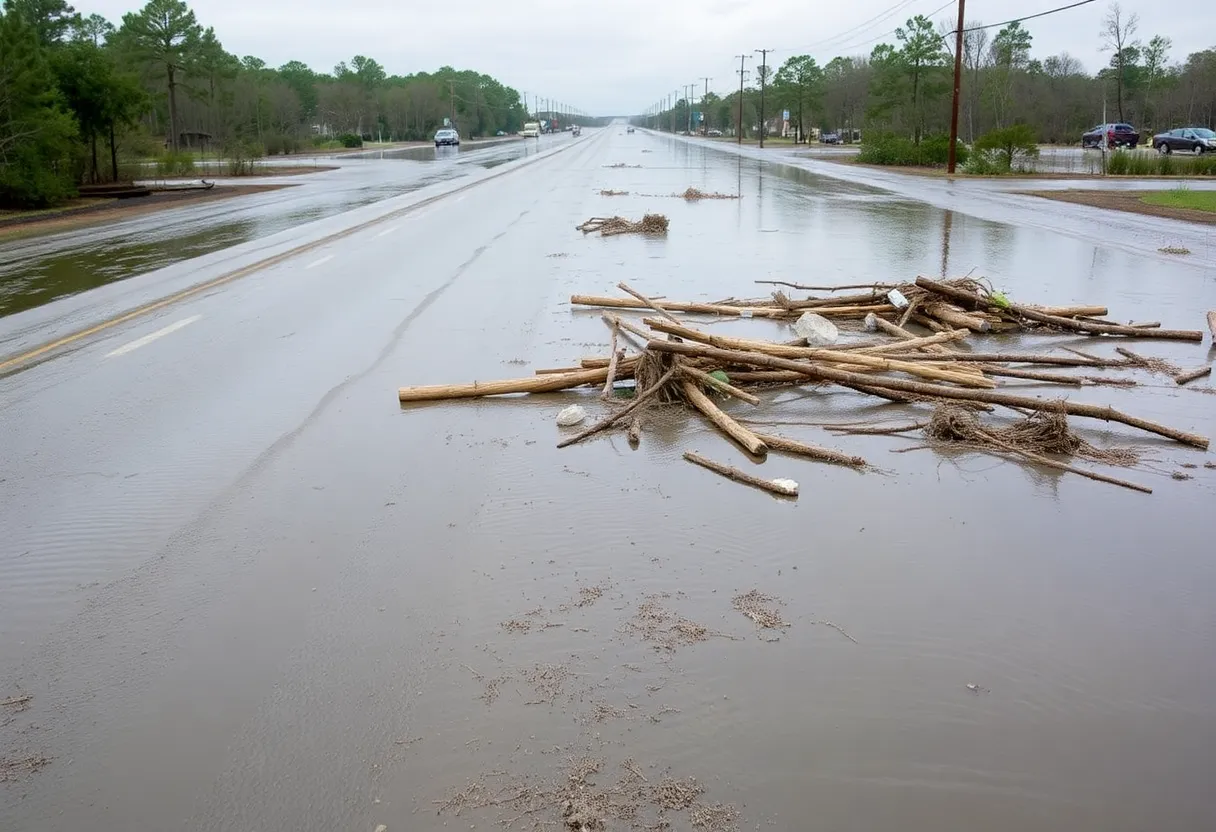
x: 248, y: 590
x: 38, y: 270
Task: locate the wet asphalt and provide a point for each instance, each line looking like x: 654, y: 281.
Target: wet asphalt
x: 248, y: 590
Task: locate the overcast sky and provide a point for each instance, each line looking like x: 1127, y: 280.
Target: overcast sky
x: 620, y: 57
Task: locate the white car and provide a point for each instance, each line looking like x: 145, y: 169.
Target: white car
x: 531, y: 130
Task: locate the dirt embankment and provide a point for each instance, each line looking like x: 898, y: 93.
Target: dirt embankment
x: 1126, y: 201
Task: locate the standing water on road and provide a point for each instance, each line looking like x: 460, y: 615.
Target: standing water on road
x: 247, y: 589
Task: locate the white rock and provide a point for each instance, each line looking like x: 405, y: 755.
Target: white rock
x: 571, y: 415
x: 791, y: 485
x: 816, y: 329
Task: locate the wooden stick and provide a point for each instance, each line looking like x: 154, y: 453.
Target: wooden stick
x: 909, y: 312
x: 718, y: 384
x: 1055, y: 320
x: 1104, y: 413
x: 1060, y: 466
x: 625, y: 287
x: 872, y: 321
x: 1074, y: 311
x: 1017, y: 358
x: 608, y: 422
x: 1191, y: 375
x: 916, y: 343
x: 804, y: 287
x: 1212, y: 323
x: 956, y: 318
x: 535, y: 384
x: 836, y: 356
x: 1031, y: 375
x: 875, y: 431
x: 717, y: 309
x: 612, y: 362
x: 793, y: 446
x: 620, y: 323
x: 748, y: 440
x: 739, y: 476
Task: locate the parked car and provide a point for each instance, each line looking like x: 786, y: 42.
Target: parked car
x: 715, y: 133
x: 1192, y: 139
x: 447, y: 136
x: 830, y: 138
x: 500, y: 133
x: 1114, y: 135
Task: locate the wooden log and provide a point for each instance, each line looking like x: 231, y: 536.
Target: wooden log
x: 793, y: 446
x: 635, y: 430
x: 633, y: 334
x: 719, y: 385
x: 1019, y: 358
x: 608, y: 422
x: 973, y: 299
x: 836, y: 356
x: 535, y: 384
x: 740, y: 476
x: 612, y: 363
x: 625, y: 287
x: 956, y: 318
x: 802, y: 286
x: 717, y: 309
x: 1073, y: 311
x: 930, y: 323
x: 1103, y: 413
x: 1212, y: 323
x: 1191, y: 375
x: 917, y: 343
x: 746, y: 439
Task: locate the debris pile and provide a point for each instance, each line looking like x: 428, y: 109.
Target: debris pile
x: 653, y: 224
x: 610, y: 192
x: 694, y: 194
x: 674, y: 363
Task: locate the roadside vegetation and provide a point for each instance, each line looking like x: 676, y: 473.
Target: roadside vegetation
x: 84, y: 100
x: 1010, y: 99
x: 1183, y: 198
x: 1125, y: 163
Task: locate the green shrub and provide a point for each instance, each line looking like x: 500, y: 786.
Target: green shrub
x: 892, y: 149
x: 351, y: 140
x: 279, y: 144
x: 175, y: 163
x: 998, y: 150
x: 241, y: 157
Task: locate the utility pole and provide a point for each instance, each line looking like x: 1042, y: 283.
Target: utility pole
x: 958, y: 74
x: 707, y: 80
x: 742, y: 75
x: 763, y: 79
x: 688, y: 89
x: 451, y: 103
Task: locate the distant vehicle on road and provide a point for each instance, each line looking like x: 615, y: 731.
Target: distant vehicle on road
x: 1192, y: 139
x: 713, y: 134
x: 829, y: 138
x: 531, y: 130
x: 500, y: 133
x: 447, y: 136
x: 576, y: 130
x: 628, y: 129
x: 1113, y: 135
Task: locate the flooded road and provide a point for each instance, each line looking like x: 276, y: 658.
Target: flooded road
x: 246, y: 589
x: 39, y: 270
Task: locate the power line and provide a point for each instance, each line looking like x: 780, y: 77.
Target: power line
x: 1027, y: 17
x: 883, y: 15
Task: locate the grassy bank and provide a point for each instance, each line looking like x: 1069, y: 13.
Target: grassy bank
x: 1183, y: 199
x: 1123, y: 163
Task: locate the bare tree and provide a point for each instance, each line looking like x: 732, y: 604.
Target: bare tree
x: 975, y: 55
x: 1118, y: 33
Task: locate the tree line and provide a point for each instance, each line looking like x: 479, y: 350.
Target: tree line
x: 78, y: 95
x: 905, y: 87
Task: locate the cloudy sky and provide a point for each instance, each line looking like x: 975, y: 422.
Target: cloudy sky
x: 622, y: 56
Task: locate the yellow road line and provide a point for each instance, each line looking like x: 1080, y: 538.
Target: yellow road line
x: 255, y: 267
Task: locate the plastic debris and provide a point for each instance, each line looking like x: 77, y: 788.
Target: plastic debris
x: 816, y: 329
x: 571, y: 415
x: 791, y: 485
x: 897, y: 299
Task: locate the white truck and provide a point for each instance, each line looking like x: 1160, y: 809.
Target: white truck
x: 531, y: 130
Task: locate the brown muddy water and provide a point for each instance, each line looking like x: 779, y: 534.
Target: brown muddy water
x: 430, y: 618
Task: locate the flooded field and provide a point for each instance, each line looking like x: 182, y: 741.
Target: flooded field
x: 246, y: 589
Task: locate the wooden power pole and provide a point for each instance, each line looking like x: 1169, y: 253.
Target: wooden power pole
x: 958, y: 75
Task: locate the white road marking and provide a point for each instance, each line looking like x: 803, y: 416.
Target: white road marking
x: 148, y: 339
x: 322, y: 261
x: 388, y: 231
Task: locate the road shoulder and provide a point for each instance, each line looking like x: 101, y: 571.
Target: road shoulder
x: 1128, y: 202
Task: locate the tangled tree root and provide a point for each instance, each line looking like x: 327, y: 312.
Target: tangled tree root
x: 693, y: 194
x: 653, y: 224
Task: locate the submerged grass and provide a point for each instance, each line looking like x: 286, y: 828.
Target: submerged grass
x: 1124, y: 163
